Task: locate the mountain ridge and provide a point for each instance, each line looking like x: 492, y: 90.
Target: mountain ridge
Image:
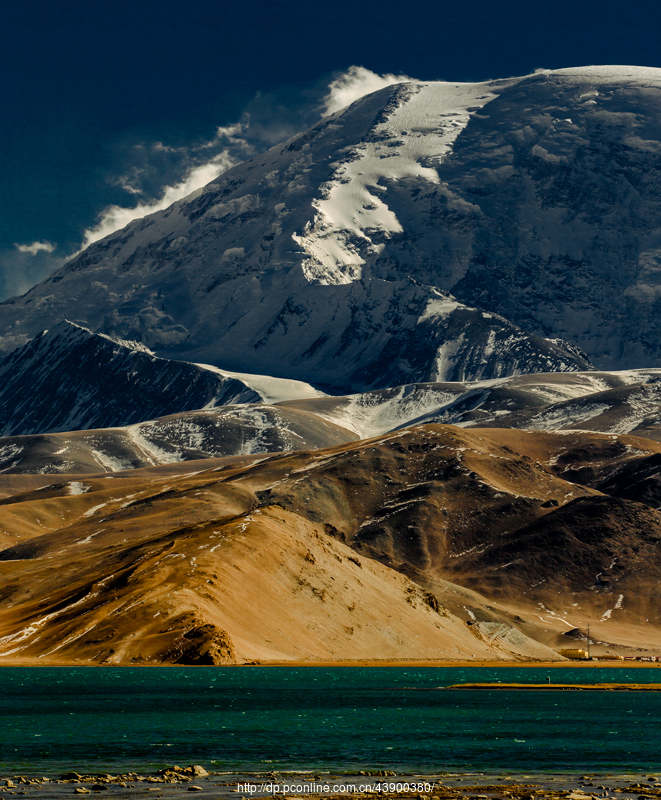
x: 269, y: 415
x: 69, y: 378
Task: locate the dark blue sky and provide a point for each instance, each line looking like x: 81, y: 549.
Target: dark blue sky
x: 90, y: 88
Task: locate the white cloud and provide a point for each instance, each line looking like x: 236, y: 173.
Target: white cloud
x: 127, y: 186
x: 20, y: 268
x: 156, y: 174
x: 115, y: 217
x: 355, y: 83
x: 232, y: 134
x: 236, y: 148
x: 35, y: 247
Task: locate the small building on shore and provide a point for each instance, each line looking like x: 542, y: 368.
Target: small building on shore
x: 575, y: 653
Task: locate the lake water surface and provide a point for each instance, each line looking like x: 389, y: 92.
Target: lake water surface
x: 342, y: 719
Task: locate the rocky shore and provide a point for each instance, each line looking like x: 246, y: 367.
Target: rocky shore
x: 80, y: 783
x: 176, y: 782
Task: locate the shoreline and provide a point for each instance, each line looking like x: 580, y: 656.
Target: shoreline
x: 456, y: 664
x: 411, y: 663
x: 563, y: 687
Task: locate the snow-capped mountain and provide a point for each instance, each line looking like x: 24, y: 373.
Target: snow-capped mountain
x: 517, y: 402
x: 157, y: 410
x: 425, y: 250
x: 628, y: 408
x: 626, y: 402
x: 371, y: 250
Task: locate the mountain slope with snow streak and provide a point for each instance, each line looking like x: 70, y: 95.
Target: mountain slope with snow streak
x: 628, y: 408
x: 232, y: 430
x: 551, y: 401
x: 382, y: 548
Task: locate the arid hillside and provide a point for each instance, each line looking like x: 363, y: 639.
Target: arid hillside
x: 432, y: 542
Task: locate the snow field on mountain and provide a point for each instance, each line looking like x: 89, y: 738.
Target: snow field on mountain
x: 371, y: 414
x: 270, y: 389
x: 421, y: 130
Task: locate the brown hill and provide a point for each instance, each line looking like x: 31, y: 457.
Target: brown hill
x: 381, y: 548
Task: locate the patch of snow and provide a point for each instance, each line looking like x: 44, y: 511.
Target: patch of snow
x: 270, y: 389
x: 439, y: 308
x: 466, y: 552
x: 372, y: 414
x: 8, y: 451
x: 565, y: 417
x: 433, y: 115
x: 91, y: 511
x: 30, y: 630
x: 152, y: 453
x: 108, y: 462
x: 90, y: 537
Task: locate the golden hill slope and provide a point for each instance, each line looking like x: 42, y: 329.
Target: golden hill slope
x: 382, y: 548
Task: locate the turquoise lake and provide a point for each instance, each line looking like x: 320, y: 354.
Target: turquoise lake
x: 340, y: 719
